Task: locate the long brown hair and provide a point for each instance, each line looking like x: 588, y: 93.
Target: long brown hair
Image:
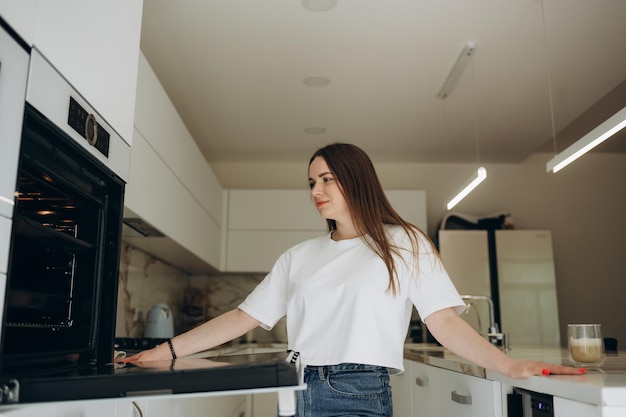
x: 368, y: 204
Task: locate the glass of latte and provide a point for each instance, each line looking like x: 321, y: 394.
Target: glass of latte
x: 585, y: 344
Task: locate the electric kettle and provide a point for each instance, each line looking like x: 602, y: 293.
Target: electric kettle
x: 159, y: 322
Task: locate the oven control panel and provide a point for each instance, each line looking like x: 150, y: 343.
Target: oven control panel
x: 86, y: 125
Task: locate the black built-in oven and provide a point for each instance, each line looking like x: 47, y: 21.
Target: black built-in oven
x: 64, y: 254
x: 64, y: 212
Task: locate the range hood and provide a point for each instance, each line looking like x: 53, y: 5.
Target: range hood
x: 139, y: 233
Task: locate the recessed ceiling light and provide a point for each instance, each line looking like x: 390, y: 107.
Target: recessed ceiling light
x: 319, y: 5
x: 316, y: 81
x: 315, y: 130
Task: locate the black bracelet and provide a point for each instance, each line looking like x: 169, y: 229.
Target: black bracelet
x: 169, y: 343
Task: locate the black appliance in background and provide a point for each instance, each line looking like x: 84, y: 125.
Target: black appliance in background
x: 59, y: 301
x: 525, y: 403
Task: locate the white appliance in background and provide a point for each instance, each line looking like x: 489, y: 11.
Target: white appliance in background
x: 159, y: 322
x: 526, y: 300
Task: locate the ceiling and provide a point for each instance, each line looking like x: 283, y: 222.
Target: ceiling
x: 236, y: 69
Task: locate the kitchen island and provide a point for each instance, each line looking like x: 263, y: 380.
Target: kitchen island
x: 600, y: 392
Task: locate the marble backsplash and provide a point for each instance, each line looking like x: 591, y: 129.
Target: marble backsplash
x: 145, y: 281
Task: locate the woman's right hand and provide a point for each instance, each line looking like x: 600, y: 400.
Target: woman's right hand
x: 221, y: 329
x: 158, y: 353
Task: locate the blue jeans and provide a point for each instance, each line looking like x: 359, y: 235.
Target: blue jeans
x: 346, y: 390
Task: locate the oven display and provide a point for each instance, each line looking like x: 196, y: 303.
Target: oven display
x: 86, y: 126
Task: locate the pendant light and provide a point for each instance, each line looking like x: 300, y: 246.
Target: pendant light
x: 464, y: 58
x: 602, y: 132
x: 599, y: 134
x: 481, y: 174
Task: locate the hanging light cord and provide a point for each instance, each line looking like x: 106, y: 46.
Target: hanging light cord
x: 551, y: 99
x: 444, y: 118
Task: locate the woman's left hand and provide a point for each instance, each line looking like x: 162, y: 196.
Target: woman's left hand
x: 458, y: 336
x: 524, y: 369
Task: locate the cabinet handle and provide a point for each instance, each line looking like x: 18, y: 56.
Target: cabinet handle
x: 421, y: 382
x: 461, y: 398
x: 136, y: 407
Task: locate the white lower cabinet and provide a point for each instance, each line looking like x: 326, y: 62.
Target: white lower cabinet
x: 219, y: 406
x: 130, y: 408
x: 443, y: 393
x: 183, y: 406
x: 108, y: 408
x: 401, y: 394
x: 168, y: 407
x: 265, y: 405
x: 569, y: 408
x: 91, y: 408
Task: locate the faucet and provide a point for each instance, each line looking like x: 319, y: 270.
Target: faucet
x: 494, y: 335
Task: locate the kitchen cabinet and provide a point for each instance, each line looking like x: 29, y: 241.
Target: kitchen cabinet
x: 242, y: 411
x: 94, y: 408
x: 21, y: 16
x: 441, y: 381
x: 401, y: 391
x: 264, y: 405
x: 130, y: 408
x: 564, y: 407
x: 107, y: 408
x: 95, y: 45
x: 163, y: 406
x: 440, y: 392
x: 219, y: 406
x: 14, y: 65
x: 170, y: 406
x: 262, y: 224
x: 13, y: 74
x: 171, y: 186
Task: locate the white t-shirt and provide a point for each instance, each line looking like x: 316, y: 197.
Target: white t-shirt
x: 334, y: 294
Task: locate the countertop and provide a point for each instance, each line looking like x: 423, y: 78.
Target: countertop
x: 604, y: 386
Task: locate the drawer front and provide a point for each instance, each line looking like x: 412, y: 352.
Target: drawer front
x: 441, y: 392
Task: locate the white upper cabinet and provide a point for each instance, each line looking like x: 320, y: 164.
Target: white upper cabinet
x: 262, y: 224
x: 272, y: 210
x: 94, y: 44
x: 411, y: 205
x: 171, y: 186
x: 21, y: 16
x: 13, y: 74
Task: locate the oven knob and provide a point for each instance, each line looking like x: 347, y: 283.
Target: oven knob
x: 91, y: 129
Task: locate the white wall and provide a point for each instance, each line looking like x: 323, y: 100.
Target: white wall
x: 584, y: 205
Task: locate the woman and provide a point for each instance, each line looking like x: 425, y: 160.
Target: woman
x: 348, y: 298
